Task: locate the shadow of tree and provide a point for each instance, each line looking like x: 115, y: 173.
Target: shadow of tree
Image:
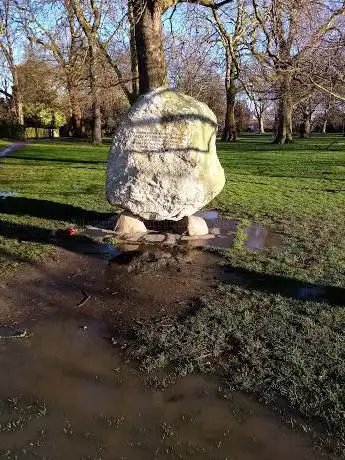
x: 57, y: 160
x: 51, y: 210
x: 281, y: 285
x: 32, y: 233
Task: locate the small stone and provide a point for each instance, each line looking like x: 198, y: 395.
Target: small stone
x: 192, y: 226
x: 127, y: 247
x: 96, y: 232
x: 197, y: 226
x: 129, y: 223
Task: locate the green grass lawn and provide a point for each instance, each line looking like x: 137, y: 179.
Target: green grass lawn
x: 3, y: 144
x: 278, y: 348
x: 298, y: 189
x: 56, y: 184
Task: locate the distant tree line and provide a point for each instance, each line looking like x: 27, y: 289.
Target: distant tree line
x: 261, y: 65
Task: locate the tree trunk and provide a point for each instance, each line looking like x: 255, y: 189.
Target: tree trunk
x: 324, y: 126
x: 149, y: 45
x: 261, y: 125
x: 229, y: 131
x: 284, y: 119
x: 75, y: 111
x: 17, y: 101
x: 133, y: 50
x: 305, y: 127
x: 96, y: 104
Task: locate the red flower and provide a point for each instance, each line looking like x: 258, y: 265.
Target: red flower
x: 71, y: 231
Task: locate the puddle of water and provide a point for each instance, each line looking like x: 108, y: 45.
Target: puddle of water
x: 4, y: 195
x: 108, y: 251
x: 86, y: 246
x: 258, y: 237
x: 69, y: 394
x: 222, y: 229
x: 211, y: 214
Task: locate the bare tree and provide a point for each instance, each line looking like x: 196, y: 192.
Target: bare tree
x: 64, y: 43
x: 287, y: 34
x: 7, y: 49
x: 193, y: 68
x: 257, y: 86
x: 327, y: 73
x: 89, y: 15
x: 232, y: 27
x: 305, y: 112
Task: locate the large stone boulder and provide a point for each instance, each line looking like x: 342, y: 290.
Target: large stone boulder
x: 163, y: 162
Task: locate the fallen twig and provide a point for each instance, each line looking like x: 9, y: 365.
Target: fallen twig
x: 86, y: 298
x: 21, y: 335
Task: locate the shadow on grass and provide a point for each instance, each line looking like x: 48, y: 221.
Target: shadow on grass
x: 44, y: 236
x: 51, y: 210
x: 280, y: 285
x: 56, y: 160
x: 8, y: 256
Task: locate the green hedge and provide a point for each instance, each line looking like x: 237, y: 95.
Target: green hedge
x: 12, y: 130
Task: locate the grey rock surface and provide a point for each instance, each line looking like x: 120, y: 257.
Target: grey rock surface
x: 163, y: 162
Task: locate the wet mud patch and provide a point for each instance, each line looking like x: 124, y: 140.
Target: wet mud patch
x: 69, y: 394
x: 143, y: 299
x: 119, y: 284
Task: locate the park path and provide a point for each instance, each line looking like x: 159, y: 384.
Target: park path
x: 11, y: 148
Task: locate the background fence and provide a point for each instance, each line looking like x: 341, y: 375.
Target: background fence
x: 40, y: 133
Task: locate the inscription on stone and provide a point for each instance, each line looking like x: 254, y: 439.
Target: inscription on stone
x: 157, y: 141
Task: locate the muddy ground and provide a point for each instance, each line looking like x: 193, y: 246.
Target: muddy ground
x: 68, y: 391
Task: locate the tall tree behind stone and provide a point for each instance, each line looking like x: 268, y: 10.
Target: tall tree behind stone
x: 147, y: 17
x: 232, y: 27
x: 63, y: 42
x: 287, y: 33
x: 89, y: 15
x: 7, y: 49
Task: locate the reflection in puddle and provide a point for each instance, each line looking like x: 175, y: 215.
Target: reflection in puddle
x: 69, y: 394
x: 209, y: 215
x: 222, y: 234
x: 258, y: 237
x: 156, y: 279
x: 261, y: 238
x: 108, y: 251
